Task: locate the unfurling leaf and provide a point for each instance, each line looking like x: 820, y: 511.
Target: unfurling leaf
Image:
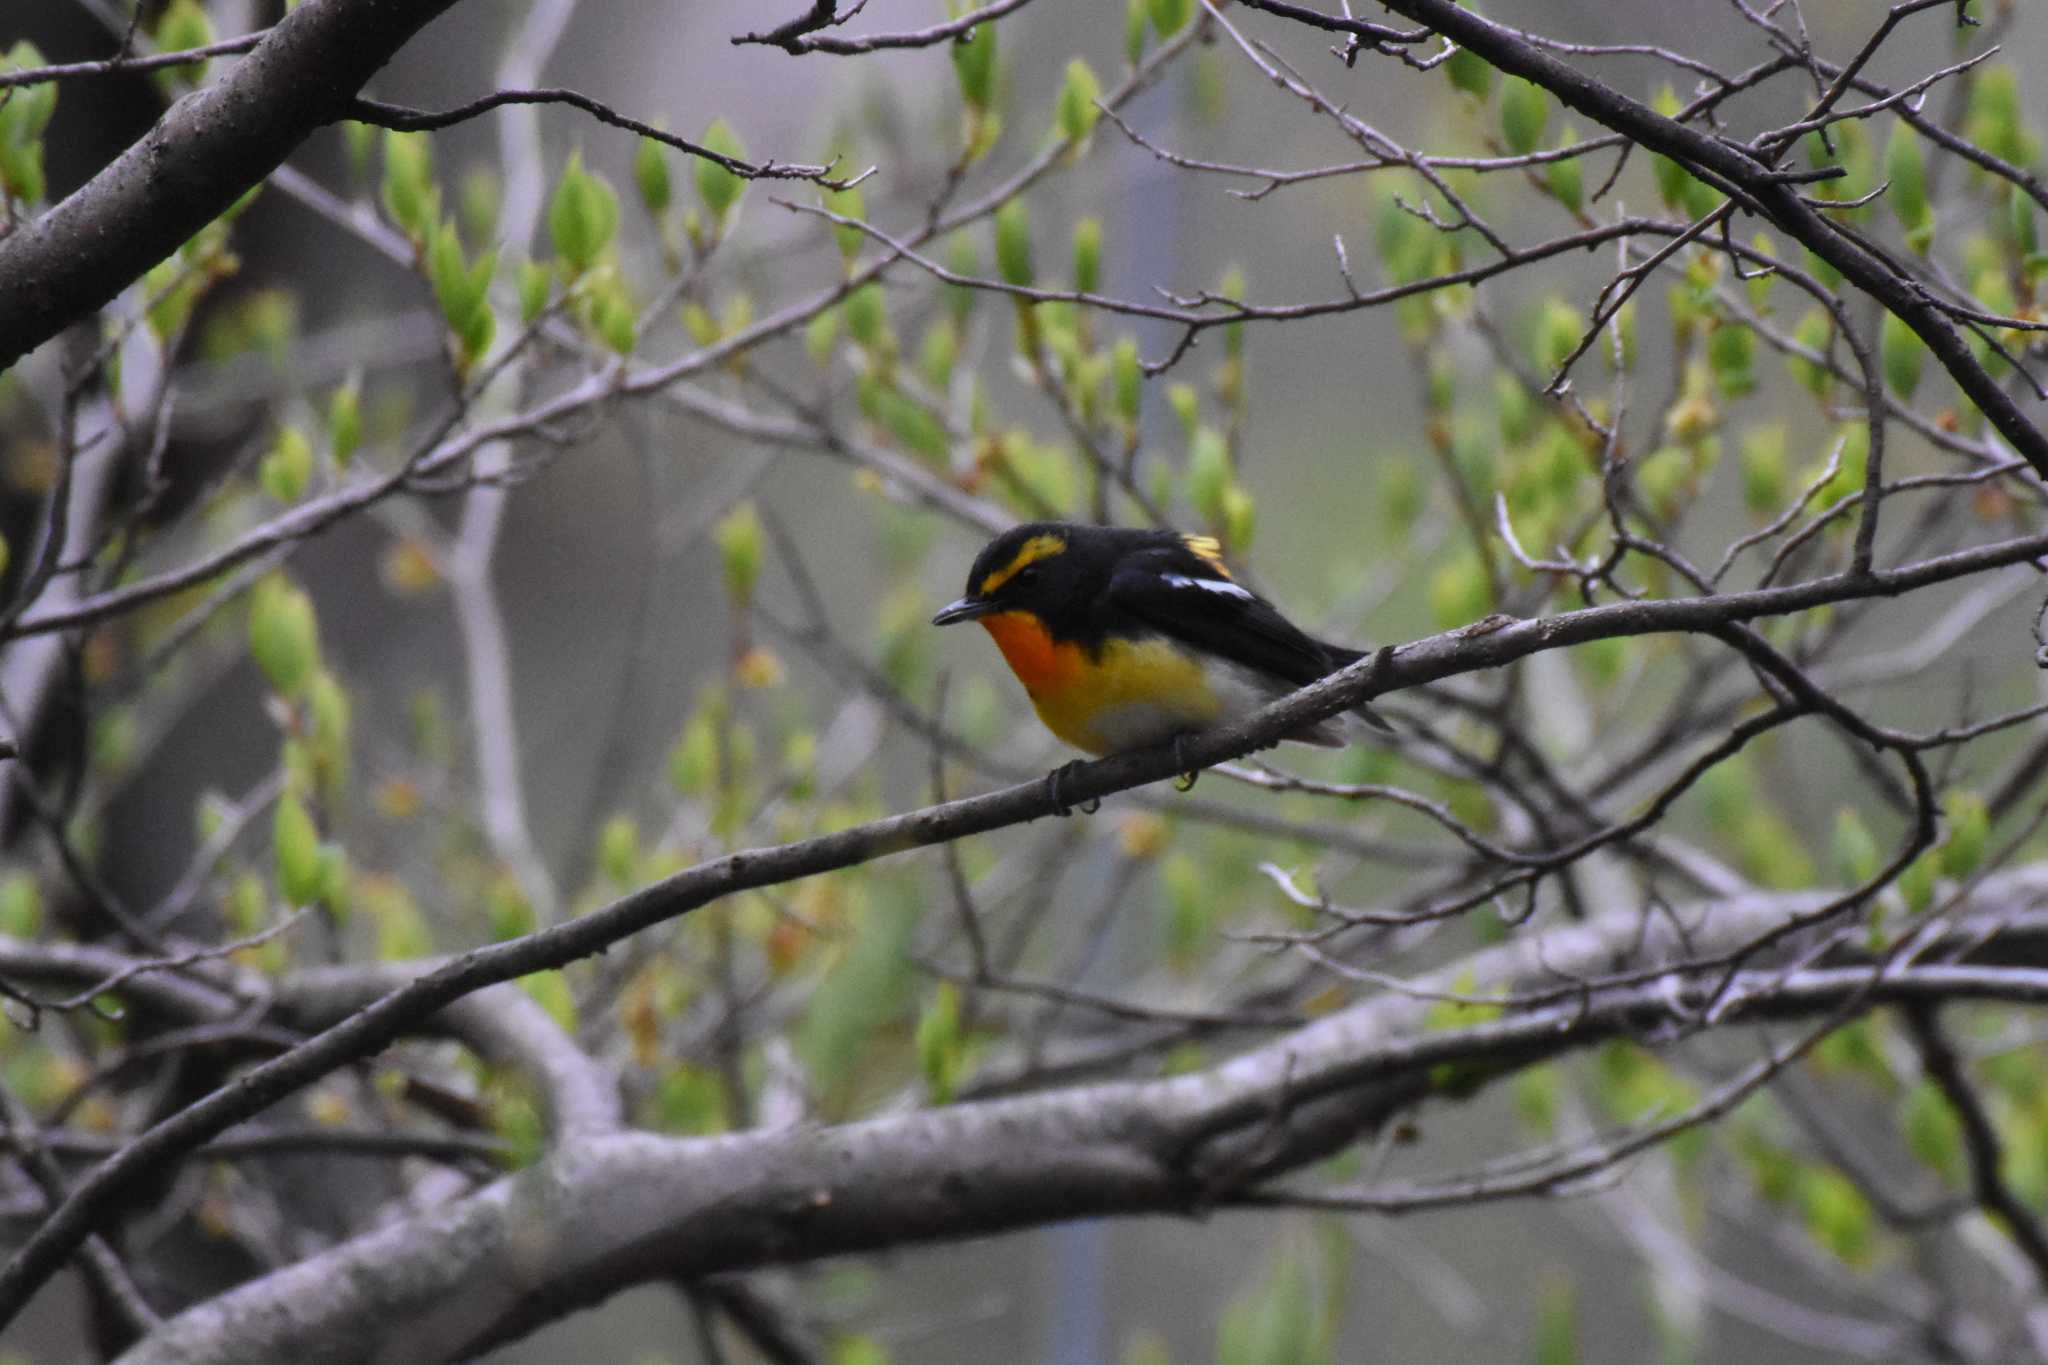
x: 739, y: 548
x: 295, y: 844
x: 650, y: 174
x: 1901, y: 350
x: 1076, y: 111
x: 719, y: 187
x: 1013, y: 244
x: 582, y: 216
x: 1524, y: 114
x: 284, y: 638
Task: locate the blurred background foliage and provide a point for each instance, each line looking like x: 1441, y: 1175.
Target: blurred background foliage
x: 717, y: 640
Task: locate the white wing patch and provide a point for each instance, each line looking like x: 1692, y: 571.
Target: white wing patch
x: 1215, y: 585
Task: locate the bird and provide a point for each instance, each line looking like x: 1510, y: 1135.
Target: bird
x: 1128, y: 638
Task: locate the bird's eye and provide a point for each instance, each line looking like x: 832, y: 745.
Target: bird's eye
x: 1026, y: 577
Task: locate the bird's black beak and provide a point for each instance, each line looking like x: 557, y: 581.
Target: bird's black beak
x: 966, y: 609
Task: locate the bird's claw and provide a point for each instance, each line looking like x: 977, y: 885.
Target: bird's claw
x: 1188, y: 771
x: 1055, y: 781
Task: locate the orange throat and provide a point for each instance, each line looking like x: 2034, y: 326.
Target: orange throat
x: 1044, y: 665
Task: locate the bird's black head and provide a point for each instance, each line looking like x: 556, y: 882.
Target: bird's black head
x: 1051, y: 569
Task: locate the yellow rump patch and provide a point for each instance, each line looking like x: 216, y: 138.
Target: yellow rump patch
x: 1030, y: 552
x: 1209, y: 550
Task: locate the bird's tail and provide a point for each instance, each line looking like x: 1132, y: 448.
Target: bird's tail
x: 1344, y: 656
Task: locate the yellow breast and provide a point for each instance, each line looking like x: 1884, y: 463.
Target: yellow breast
x: 1130, y: 694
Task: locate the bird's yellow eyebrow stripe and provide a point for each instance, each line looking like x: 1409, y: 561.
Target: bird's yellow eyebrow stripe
x: 1030, y: 552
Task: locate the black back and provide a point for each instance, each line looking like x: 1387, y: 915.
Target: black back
x: 1112, y: 581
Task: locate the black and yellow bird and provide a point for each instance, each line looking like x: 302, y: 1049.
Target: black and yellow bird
x: 1125, y: 638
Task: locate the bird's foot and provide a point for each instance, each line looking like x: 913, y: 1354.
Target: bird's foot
x: 1055, y: 782
x: 1188, y: 771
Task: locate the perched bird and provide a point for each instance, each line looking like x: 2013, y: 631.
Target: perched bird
x: 1125, y: 639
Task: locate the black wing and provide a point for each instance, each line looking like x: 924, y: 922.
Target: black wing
x: 1178, y: 593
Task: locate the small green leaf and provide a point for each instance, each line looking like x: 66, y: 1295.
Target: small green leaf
x: 1208, y: 474
x: 1764, y: 470
x: 650, y: 174
x: 1731, y: 352
x: 1933, y: 1134
x: 1837, y: 1215
x: 1087, y: 255
x: 1470, y: 73
x: 1916, y: 883
x: 283, y: 635
x: 618, y: 850
x: 1901, y: 351
x: 1013, y: 243
x: 507, y: 907
x: 21, y: 171
x: 821, y: 334
x: 913, y: 425
x: 1524, y: 114
x: 1076, y: 110
x: 717, y: 186
x: 478, y: 201
x: 867, y: 319
x: 345, y: 422
x: 582, y: 216
x: 534, y: 286
x: 21, y: 906
x: 28, y: 108
x: 739, y: 538
x: 409, y: 194
x: 551, y: 990
x: 1558, y: 330
x: 940, y: 1044
x: 1905, y: 165
x: 2020, y: 221
x: 1994, y: 122
x: 1458, y: 592
x: 1816, y: 329
x: 184, y: 26
x: 974, y: 62
x: 1127, y: 377
x: 848, y: 203
x: 295, y: 845
x: 286, y: 469
x: 1566, y: 178
x: 1240, y: 517
x: 335, y: 882
x: 1969, y: 830
x: 1171, y: 16
x: 938, y: 354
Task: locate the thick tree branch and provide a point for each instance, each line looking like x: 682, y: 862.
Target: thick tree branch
x: 608, y: 1213
x: 206, y: 151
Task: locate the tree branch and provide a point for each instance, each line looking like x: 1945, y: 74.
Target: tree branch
x: 1747, y: 176
x: 619, y: 1210
x: 399, y: 118
x: 1485, y: 644
x: 204, y: 153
